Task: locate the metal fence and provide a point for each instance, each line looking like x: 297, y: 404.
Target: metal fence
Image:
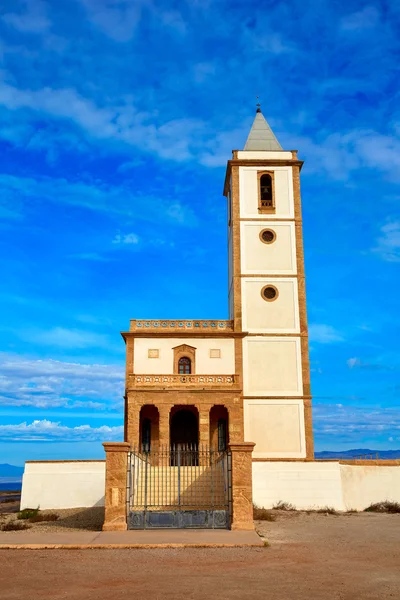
x: 179, y: 486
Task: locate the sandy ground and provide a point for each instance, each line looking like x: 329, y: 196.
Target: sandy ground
x: 71, y: 519
x: 311, y: 556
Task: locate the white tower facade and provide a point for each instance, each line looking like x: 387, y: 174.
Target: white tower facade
x: 267, y: 295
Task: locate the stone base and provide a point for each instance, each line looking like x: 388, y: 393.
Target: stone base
x: 115, y: 527
x: 243, y: 526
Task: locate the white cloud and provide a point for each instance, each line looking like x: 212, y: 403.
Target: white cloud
x: 127, y: 238
x: 340, y: 154
x: 324, y: 334
x: 123, y: 123
x: 355, y: 362
x: 355, y: 423
x: 116, y: 18
x: 388, y: 244
x: 366, y: 18
x: 52, y: 383
x: 44, y: 430
x: 119, y: 19
x: 33, y: 20
x: 61, y: 337
x: 98, y: 197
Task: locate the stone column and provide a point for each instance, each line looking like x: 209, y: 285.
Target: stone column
x: 204, y: 426
x: 236, y: 433
x: 133, y: 424
x: 164, y: 425
x: 115, y: 491
x: 242, y: 493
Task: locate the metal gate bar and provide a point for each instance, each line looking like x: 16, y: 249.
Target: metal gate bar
x: 179, y: 486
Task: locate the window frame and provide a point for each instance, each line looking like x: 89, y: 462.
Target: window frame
x: 266, y: 209
x: 188, y: 364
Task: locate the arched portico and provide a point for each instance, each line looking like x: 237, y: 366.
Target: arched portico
x: 219, y: 427
x: 184, y: 426
x: 149, y: 428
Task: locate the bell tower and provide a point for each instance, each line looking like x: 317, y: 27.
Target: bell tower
x: 267, y: 301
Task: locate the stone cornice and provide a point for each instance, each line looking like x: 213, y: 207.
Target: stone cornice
x: 271, y: 162
x: 148, y: 333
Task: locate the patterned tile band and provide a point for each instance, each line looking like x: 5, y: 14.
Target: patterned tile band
x: 166, y: 380
x: 139, y: 325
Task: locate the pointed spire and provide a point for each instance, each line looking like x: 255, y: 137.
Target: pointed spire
x: 261, y: 136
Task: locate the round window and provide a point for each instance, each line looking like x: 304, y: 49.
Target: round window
x: 267, y: 236
x: 269, y: 293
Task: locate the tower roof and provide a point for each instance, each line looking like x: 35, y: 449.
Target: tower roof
x: 261, y: 136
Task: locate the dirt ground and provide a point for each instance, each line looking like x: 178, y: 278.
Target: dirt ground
x: 70, y: 519
x: 311, y: 556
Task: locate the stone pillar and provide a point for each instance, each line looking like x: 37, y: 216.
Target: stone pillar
x: 236, y: 433
x: 164, y: 411
x: 115, y: 491
x: 133, y: 424
x: 204, y: 426
x: 242, y: 492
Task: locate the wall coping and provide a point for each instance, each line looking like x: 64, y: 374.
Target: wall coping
x: 116, y: 446
x: 353, y: 462
x: 241, y: 446
x: 88, y: 460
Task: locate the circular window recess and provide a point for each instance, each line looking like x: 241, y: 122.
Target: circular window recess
x: 267, y: 236
x: 269, y: 293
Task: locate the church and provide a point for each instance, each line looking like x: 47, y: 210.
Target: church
x: 218, y: 412
x: 214, y: 382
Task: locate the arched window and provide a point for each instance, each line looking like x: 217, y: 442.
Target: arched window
x: 184, y: 366
x: 265, y: 192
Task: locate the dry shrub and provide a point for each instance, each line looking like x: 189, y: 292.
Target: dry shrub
x: 44, y: 517
x: 283, y: 506
x: 28, y: 513
x: 387, y: 506
x: 14, y: 526
x: 262, y: 514
x: 327, y: 510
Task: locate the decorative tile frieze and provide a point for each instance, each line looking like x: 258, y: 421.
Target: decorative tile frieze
x: 182, y: 380
x: 190, y: 325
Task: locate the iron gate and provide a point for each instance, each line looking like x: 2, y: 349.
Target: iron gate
x: 180, y: 487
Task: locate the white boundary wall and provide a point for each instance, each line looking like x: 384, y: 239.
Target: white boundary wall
x: 364, y: 485
x: 310, y: 485
x: 72, y: 484
x: 306, y: 485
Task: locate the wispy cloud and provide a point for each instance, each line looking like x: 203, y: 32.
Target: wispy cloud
x: 388, y: 243
x: 65, y: 338
x: 357, y: 363
x: 51, y: 383
x: 367, y: 18
x: 32, y: 18
x: 98, y: 196
x: 324, y: 334
x: 126, y: 238
x: 50, y: 431
x: 353, y: 424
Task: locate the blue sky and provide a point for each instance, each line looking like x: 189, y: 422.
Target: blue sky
x: 116, y: 122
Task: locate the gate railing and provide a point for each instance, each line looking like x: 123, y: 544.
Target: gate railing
x: 181, y: 477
